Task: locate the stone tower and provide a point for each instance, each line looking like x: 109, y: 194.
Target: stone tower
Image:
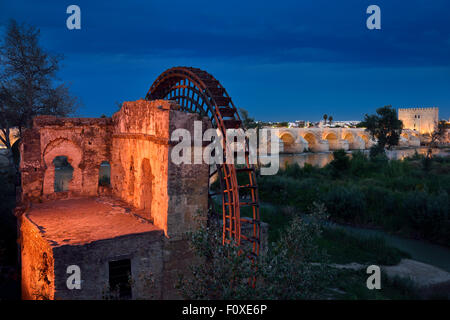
x: 423, y: 120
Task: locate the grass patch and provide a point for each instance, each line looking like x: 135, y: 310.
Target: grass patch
x: 345, y: 247
x: 342, y: 246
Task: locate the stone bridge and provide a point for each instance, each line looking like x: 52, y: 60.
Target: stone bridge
x: 296, y: 140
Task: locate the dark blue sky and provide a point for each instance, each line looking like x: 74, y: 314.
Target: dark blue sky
x: 281, y: 60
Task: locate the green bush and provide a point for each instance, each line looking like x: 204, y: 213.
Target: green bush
x: 359, y: 164
x: 340, y: 163
x: 345, y: 203
x: 382, y: 206
x: 284, y: 272
x: 277, y: 189
x: 376, y: 151
x: 428, y: 214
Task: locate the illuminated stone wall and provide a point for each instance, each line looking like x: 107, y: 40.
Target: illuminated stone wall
x: 141, y: 172
x: 423, y: 120
x: 37, y: 264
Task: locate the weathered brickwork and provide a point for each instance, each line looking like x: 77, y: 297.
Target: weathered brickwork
x: 86, y: 143
x: 144, y: 251
x: 37, y: 264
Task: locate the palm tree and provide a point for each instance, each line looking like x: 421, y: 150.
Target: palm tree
x: 325, y: 119
x: 330, y: 118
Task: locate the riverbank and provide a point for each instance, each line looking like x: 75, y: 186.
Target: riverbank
x: 350, y: 252
x: 408, y: 197
x: 401, y: 200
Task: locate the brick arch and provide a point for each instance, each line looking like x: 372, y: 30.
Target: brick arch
x: 349, y: 136
x: 310, y: 137
x: 74, y: 154
x: 330, y: 135
x: 365, y: 138
x: 287, y: 137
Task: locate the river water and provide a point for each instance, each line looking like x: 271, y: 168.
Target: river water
x: 321, y: 159
x: 419, y: 250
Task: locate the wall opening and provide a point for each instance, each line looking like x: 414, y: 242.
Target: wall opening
x: 120, y: 278
x: 63, y: 173
x: 104, y: 174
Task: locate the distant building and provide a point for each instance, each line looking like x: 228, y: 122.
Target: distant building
x: 423, y: 120
x: 343, y: 124
x: 297, y: 124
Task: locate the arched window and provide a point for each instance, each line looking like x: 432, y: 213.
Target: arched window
x: 104, y: 174
x: 63, y: 173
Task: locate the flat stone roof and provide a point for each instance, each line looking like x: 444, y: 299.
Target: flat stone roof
x: 84, y: 220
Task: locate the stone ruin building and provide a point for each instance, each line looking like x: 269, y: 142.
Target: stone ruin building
x: 125, y: 233
x: 101, y: 196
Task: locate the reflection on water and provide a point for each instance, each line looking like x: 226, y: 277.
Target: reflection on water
x: 321, y: 159
x: 316, y: 159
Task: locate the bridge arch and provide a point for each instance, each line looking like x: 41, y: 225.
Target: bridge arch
x: 366, y: 139
x: 350, y: 137
x: 355, y: 142
x: 332, y: 138
x: 311, y: 139
x: 288, y: 140
x: 287, y: 137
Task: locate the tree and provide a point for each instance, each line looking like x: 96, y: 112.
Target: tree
x: 330, y: 119
x: 27, y: 81
x: 436, y: 136
x: 340, y: 162
x: 439, y: 133
x: 384, y: 127
x: 325, y: 117
x: 246, y: 120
